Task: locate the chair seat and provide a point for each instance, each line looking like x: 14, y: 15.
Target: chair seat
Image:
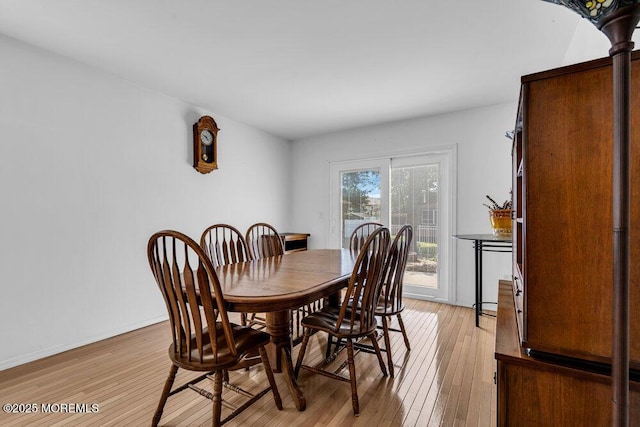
x: 326, y: 320
x: 246, y: 339
x: 388, y: 308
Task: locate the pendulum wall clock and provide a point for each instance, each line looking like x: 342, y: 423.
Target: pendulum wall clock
x: 205, y: 144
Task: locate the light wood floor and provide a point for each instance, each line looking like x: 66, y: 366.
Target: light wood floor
x: 446, y: 379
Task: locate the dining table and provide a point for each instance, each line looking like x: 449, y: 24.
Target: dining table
x: 279, y: 284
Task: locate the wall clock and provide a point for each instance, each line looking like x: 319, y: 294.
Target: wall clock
x: 205, y: 144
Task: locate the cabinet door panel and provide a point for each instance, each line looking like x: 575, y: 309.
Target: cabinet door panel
x: 567, y: 198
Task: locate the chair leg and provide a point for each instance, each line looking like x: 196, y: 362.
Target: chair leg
x: 387, y: 344
x: 165, y: 395
x: 336, y: 347
x: 352, y: 377
x: 376, y: 347
x: 329, y: 342
x: 404, y: 332
x: 217, y: 399
x: 272, y: 381
x: 303, y: 349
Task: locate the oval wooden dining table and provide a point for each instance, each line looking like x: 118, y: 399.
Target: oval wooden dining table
x: 277, y: 285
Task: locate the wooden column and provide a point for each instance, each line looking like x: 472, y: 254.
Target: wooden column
x: 619, y: 27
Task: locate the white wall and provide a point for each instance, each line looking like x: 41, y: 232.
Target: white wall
x: 588, y: 43
x: 484, y: 167
x: 90, y: 167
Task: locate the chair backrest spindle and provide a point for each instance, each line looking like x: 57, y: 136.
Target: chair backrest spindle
x: 395, y: 266
x: 360, y: 234
x: 264, y: 241
x: 224, y: 244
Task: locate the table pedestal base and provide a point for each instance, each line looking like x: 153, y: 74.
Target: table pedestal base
x: 279, y: 351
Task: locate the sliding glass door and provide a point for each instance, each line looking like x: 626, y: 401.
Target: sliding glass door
x: 419, y: 197
x: 410, y: 189
x: 358, y: 195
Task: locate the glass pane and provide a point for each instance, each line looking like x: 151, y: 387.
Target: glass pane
x: 414, y: 200
x: 360, y: 197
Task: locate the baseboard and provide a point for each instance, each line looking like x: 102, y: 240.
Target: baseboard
x: 422, y: 297
x: 41, y: 354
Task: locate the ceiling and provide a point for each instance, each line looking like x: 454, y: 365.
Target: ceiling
x: 299, y: 68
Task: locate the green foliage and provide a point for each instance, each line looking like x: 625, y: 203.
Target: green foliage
x: 427, y: 250
x: 413, y: 185
x: 496, y: 206
x: 356, y: 188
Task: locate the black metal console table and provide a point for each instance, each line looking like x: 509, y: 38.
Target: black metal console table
x: 484, y: 243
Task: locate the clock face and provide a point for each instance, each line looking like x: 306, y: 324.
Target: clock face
x: 206, y: 137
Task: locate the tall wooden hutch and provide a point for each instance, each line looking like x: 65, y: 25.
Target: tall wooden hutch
x: 554, y: 331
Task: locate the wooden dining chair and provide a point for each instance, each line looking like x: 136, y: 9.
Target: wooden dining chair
x: 224, y: 244
x: 203, y: 339
x: 355, y: 318
x: 360, y: 234
x: 264, y: 241
x: 390, y: 302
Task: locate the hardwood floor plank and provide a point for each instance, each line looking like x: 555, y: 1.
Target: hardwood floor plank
x: 435, y: 404
x: 445, y: 379
x: 428, y: 379
x: 462, y: 408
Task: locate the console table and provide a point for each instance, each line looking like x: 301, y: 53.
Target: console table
x: 294, y: 242
x: 484, y: 243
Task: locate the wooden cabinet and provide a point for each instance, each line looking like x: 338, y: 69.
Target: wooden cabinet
x: 562, y: 190
x: 294, y: 242
x: 534, y: 392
